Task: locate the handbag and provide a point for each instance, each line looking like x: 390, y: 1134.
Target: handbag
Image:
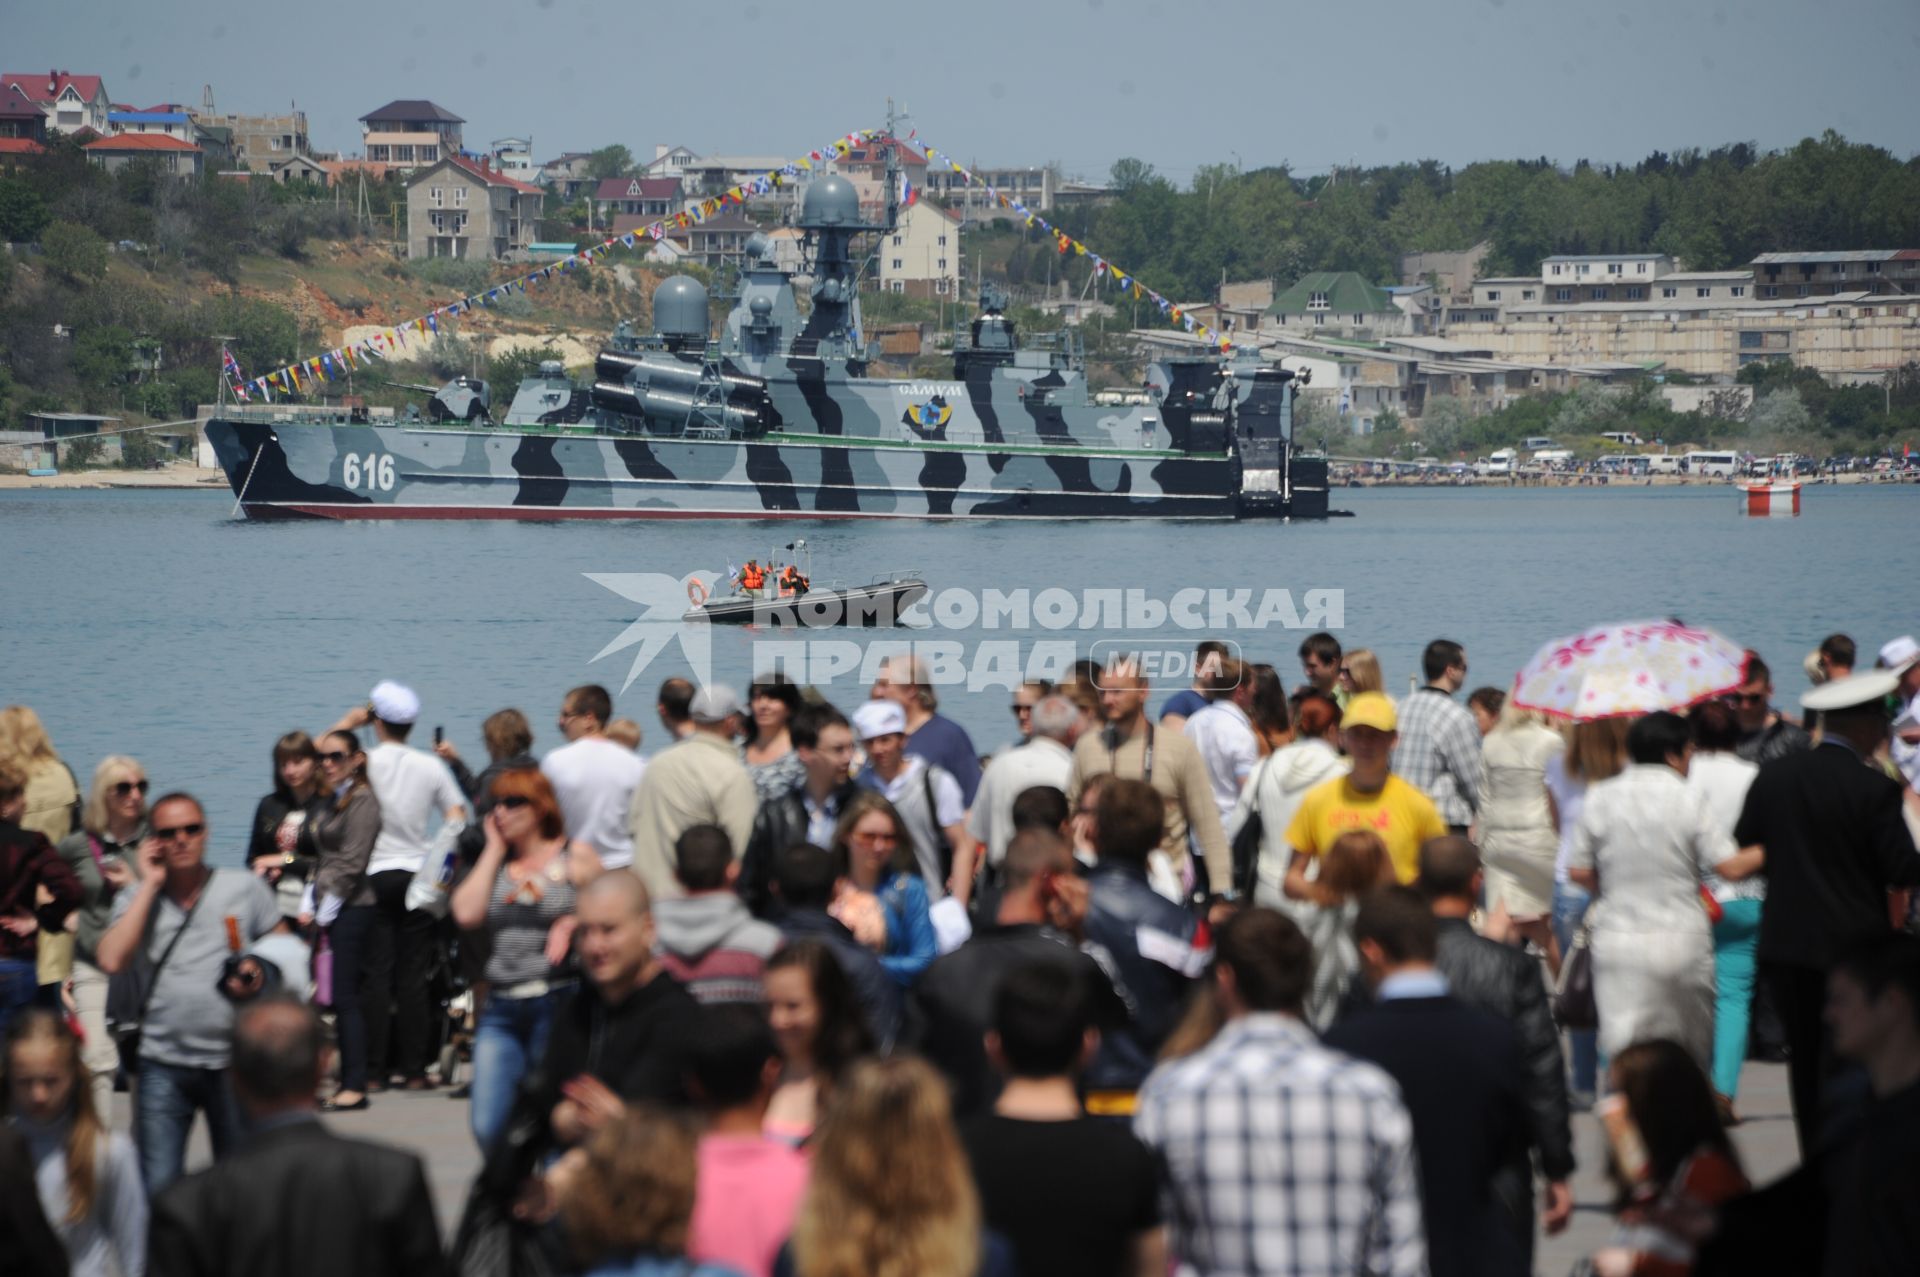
x: 1248, y: 838
x: 126, y: 1037
x: 1573, y: 1004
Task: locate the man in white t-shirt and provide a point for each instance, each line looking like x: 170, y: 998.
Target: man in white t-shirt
x: 1046, y: 759
x: 908, y: 781
x: 593, y: 777
x: 414, y: 788
x: 1223, y: 734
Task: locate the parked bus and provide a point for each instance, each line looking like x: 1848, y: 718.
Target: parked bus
x: 1717, y: 464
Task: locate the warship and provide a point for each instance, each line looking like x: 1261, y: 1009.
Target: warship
x: 778, y: 417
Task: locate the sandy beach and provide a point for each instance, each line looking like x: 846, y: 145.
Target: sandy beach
x: 168, y: 477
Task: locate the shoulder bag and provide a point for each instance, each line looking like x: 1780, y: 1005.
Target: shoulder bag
x: 126, y: 1038
x: 1252, y: 831
x: 1573, y: 1004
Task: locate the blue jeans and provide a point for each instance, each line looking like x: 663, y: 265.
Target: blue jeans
x: 1736, y: 941
x: 165, y: 1097
x: 1583, y: 1045
x: 19, y: 984
x: 510, y: 1039
x: 348, y: 936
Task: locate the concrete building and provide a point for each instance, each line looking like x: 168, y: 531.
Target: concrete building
x: 1342, y: 302
x: 299, y: 170
x: 1619, y: 277
x: 669, y: 161
x: 260, y: 141
x: 1036, y: 186
x: 1785, y: 276
x: 410, y: 133
x: 175, y: 158
x: 1451, y: 273
x: 70, y: 102
x: 566, y: 175
x: 514, y: 157
x: 922, y: 256
x: 462, y: 208
x: 720, y: 241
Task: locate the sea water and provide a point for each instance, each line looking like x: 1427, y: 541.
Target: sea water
x: 156, y: 624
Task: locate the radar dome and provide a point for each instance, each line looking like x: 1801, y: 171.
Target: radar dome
x: 680, y: 308
x: 831, y: 201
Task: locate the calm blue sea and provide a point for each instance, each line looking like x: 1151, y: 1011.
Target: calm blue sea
x: 155, y: 624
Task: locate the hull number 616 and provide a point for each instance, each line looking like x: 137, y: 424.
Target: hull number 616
x: 374, y: 471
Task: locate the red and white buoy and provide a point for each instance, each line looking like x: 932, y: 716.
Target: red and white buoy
x: 1764, y: 499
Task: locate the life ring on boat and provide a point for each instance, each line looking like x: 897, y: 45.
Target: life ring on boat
x: 696, y: 592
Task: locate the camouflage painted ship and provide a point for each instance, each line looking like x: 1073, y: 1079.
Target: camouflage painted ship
x: 777, y: 417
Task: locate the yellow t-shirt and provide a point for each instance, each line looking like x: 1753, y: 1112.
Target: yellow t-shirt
x: 1402, y: 816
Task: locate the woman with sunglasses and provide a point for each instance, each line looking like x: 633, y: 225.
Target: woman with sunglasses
x: 281, y: 849
x: 103, y: 854
x: 521, y: 893
x: 878, y: 853
x: 343, y: 829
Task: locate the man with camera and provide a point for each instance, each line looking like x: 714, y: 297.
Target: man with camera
x: 179, y: 930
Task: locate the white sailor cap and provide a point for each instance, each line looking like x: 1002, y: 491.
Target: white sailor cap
x: 1856, y: 690
x: 1900, y: 652
x: 394, y: 702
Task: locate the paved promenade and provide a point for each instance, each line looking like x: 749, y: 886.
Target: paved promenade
x: 435, y: 1127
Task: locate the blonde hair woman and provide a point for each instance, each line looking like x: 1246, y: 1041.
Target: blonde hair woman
x: 1360, y: 672
x: 891, y: 1193
x: 626, y: 1198
x: 103, y: 854
x: 1518, y: 843
x: 53, y: 795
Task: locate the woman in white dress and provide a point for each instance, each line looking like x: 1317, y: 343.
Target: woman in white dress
x: 1643, y: 847
x: 1517, y: 837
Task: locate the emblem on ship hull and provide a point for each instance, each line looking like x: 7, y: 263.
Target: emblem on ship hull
x: 930, y: 415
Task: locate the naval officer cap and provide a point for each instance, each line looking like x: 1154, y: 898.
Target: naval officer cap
x: 1900, y: 653
x: 1856, y: 691
x: 394, y: 703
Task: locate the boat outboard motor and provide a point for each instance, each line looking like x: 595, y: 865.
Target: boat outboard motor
x: 462, y: 399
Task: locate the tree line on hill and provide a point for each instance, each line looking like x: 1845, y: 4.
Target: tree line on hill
x: 1711, y: 210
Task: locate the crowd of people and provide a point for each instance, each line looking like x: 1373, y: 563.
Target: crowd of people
x: 1265, y: 982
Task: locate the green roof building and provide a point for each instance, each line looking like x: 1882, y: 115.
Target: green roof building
x: 1338, y: 301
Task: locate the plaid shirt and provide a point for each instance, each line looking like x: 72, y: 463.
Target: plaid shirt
x: 1439, y: 751
x: 1281, y: 1156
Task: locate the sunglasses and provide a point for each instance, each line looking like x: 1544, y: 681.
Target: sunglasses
x: 1021, y: 710
x: 180, y: 831
x: 1747, y: 698
x: 512, y: 802
x: 336, y: 756
x: 122, y: 788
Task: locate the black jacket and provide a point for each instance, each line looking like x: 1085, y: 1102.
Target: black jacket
x: 1504, y: 980
x: 1122, y: 913
x: 298, y: 1201
x: 1460, y: 1074
x: 780, y: 823
x: 31, y: 1247
x: 266, y: 823
x: 873, y: 988
x: 1836, y: 840
x: 953, y: 1003
x: 632, y: 1046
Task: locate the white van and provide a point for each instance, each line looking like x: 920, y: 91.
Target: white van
x: 1716, y: 464
x: 1663, y: 463
x: 1533, y: 443
x: 1497, y: 466
x: 1625, y: 438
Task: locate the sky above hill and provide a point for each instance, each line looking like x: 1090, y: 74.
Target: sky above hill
x: 1178, y: 83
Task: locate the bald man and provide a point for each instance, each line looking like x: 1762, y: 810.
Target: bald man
x: 1132, y: 748
x: 614, y: 1041
x: 364, y: 1207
